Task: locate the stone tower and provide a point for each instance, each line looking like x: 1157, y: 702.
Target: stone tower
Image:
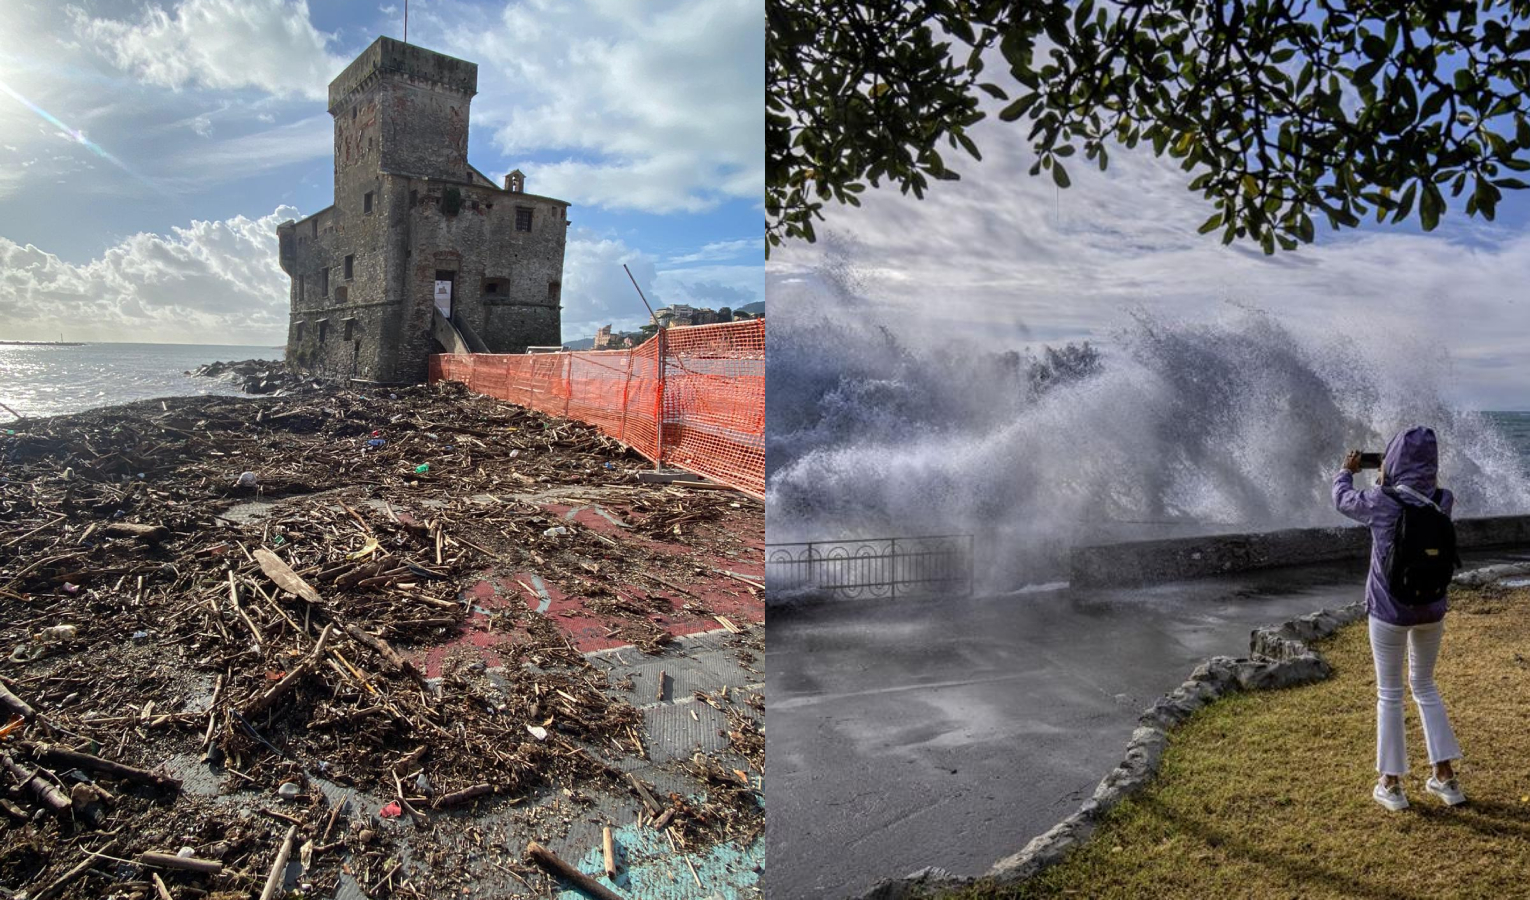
x: 420, y: 252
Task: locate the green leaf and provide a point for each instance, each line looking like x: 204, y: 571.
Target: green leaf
x: 1211, y: 224
x: 1060, y: 176
x: 1430, y: 207
x: 1017, y: 109
x: 1405, y: 204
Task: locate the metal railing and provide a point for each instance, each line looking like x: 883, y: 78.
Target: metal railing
x: 873, y: 567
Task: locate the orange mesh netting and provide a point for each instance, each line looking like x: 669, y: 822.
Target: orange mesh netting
x: 706, y: 384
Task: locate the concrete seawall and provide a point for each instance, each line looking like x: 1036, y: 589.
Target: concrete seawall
x: 1151, y: 562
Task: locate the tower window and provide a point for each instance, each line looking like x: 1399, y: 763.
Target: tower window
x: 315, y: 224
x: 324, y: 282
x: 323, y: 329
x: 522, y: 219
x: 366, y: 202
x: 350, y: 328
x: 414, y: 198
x: 554, y: 291
x: 350, y: 263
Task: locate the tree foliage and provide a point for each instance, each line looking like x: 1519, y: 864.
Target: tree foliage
x: 1284, y: 112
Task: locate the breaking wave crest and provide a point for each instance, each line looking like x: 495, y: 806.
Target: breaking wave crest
x: 1174, y: 427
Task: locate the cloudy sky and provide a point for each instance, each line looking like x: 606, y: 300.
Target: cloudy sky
x: 1010, y: 260
x: 149, y: 147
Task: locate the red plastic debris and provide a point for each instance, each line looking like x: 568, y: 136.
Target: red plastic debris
x: 391, y: 811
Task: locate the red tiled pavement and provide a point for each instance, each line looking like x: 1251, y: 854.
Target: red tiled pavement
x: 588, y: 630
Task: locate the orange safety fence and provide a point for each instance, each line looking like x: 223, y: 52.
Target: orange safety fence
x: 705, y: 384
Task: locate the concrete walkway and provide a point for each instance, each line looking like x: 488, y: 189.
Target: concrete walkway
x: 914, y: 733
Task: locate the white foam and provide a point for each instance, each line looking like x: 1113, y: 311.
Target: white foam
x: 1236, y: 424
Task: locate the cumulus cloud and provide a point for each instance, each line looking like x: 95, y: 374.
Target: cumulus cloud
x: 219, y: 281
x: 657, y: 107
x: 1005, y: 257
x: 207, y: 281
x: 597, y: 292
x: 268, y: 45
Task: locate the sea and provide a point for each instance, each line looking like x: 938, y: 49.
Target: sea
x: 52, y: 379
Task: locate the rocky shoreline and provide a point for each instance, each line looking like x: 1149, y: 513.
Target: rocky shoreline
x: 253, y: 376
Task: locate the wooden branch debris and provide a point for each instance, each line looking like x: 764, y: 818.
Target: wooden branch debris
x: 551, y: 863
x: 458, y: 797
x: 298, y: 673
x: 278, y: 873
x: 233, y: 599
x: 57, y: 886
x: 75, y: 759
x: 390, y: 656
x: 645, y: 795
x: 286, y: 579
x: 149, y: 534
x: 46, y: 792
x: 183, y: 863
x: 608, y: 851
x: 16, y: 705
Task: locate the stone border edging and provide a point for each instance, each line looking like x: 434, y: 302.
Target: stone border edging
x: 1280, y: 657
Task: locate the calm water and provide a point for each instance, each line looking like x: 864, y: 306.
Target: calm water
x: 41, y: 380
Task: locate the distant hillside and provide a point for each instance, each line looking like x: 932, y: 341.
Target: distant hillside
x: 756, y: 308
x: 581, y: 344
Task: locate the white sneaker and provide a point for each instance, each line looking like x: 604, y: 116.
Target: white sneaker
x: 1390, y: 797
x: 1446, y: 790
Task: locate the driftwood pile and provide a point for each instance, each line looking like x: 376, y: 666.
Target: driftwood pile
x: 240, y: 587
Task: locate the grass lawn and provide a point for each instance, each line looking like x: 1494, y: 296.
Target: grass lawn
x: 1268, y: 794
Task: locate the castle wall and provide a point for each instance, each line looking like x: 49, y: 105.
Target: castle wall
x: 483, y: 246
x: 401, y: 126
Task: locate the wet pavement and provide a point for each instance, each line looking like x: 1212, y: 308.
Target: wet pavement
x: 914, y: 733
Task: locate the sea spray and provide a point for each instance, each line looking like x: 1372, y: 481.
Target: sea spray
x: 1174, y: 428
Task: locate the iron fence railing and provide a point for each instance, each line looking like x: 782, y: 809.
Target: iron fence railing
x: 873, y: 567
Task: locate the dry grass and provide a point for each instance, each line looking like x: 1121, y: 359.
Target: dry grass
x: 1268, y: 795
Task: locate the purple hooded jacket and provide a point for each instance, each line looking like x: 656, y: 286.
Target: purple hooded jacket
x: 1412, y: 460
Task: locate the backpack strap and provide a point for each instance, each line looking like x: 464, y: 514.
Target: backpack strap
x: 1404, y: 489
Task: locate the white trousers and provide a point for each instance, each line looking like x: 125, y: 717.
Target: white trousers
x: 1413, y: 648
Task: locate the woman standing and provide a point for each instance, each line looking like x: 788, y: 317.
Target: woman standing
x: 1406, y: 625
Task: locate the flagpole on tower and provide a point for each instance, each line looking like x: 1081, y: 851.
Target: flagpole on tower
x: 406, y: 21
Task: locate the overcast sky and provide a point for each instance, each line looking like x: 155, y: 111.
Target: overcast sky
x: 1009, y: 260
x: 148, y: 149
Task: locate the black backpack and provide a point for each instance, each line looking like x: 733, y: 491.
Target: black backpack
x: 1422, y: 558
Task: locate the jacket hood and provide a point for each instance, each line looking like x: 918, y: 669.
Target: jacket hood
x: 1413, y: 459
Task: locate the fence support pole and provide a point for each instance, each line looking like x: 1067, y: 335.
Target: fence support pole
x: 658, y: 416
x: 892, y: 559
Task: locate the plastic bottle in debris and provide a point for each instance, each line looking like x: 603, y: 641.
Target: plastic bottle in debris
x: 60, y: 632
x: 422, y: 468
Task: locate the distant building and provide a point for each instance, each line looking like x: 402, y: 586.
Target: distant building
x: 603, y: 337
x: 420, y: 251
